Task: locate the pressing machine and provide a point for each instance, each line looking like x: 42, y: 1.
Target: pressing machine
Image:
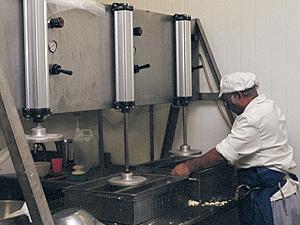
x: 107, y: 49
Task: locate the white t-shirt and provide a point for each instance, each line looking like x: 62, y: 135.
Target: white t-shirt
x: 259, y: 138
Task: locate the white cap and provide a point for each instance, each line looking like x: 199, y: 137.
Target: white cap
x: 234, y: 82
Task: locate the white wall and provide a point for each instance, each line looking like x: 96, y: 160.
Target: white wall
x: 261, y: 36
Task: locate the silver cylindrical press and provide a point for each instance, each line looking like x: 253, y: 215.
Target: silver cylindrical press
x: 36, y: 60
x: 184, y: 81
x: 183, y: 56
x: 124, y: 67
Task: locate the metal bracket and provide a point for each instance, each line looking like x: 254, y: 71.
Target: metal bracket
x: 211, y: 61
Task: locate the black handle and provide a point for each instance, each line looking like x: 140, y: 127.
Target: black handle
x: 68, y: 72
x: 137, y: 68
x: 56, y: 69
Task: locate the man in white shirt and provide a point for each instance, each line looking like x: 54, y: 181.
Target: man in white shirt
x: 257, y: 146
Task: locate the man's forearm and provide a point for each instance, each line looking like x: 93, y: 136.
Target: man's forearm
x: 211, y: 158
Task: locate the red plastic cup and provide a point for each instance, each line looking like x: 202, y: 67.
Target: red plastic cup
x: 57, y: 165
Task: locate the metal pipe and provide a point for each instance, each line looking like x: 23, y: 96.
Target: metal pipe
x: 184, y: 126
x: 101, y: 138
x: 151, y: 131
x: 126, y: 153
x: 35, y: 49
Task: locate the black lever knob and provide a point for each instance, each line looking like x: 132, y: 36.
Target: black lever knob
x: 197, y: 68
x: 137, y: 31
x: 137, y: 68
x: 57, y: 22
x: 56, y: 69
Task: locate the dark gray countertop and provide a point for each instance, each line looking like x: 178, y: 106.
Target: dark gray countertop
x: 53, y: 186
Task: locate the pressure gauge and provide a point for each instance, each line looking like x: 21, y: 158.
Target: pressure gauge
x: 52, y: 46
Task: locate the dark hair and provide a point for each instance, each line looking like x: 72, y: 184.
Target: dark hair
x: 250, y: 91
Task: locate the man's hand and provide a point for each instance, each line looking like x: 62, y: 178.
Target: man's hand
x: 211, y: 158
x: 181, y: 170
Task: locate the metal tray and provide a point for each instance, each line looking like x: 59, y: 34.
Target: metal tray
x: 219, y: 181
x: 130, y: 205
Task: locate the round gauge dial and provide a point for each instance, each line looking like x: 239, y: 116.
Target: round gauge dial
x: 52, y: 46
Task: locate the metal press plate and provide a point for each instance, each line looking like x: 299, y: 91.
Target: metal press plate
x: 120, y: 181
x: 191, y: 152
x: 44, y: 138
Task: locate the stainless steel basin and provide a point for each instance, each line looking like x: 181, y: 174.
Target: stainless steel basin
x: 8, y: 207
x: 75, y: 216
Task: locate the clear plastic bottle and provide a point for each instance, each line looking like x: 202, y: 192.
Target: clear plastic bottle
x: 84, y: 146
